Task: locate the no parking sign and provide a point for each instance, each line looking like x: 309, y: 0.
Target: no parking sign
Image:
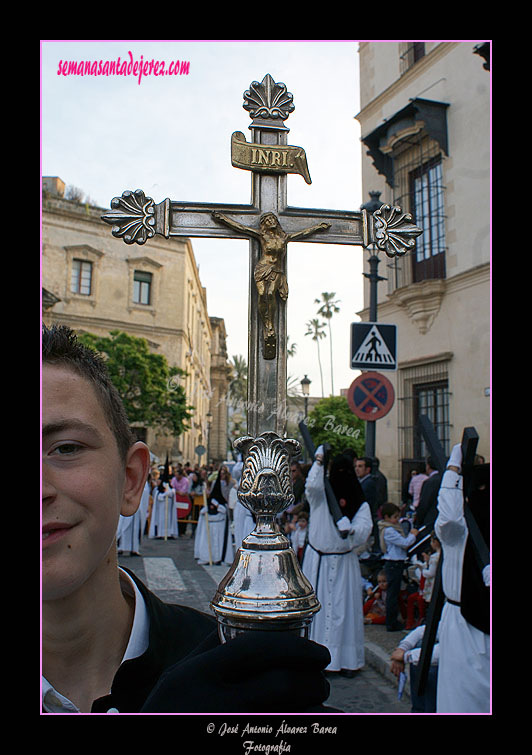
x: 370, y: 396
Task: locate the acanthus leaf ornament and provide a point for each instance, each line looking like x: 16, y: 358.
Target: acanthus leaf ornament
x: 395, y: 233
x: 132, y: 217
x: 268, y: 99
x: 265, y: 485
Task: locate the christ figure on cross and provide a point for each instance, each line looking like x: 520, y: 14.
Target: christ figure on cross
x: 269, y: 274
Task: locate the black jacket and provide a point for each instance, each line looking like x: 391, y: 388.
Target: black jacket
x: 427, y: 510
x: 175, y: 632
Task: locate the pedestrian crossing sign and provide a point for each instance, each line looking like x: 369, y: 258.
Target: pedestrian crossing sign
x: 373, y: 344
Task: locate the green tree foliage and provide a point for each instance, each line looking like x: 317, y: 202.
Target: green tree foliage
x: 148, y: 386
x: 332, y: 421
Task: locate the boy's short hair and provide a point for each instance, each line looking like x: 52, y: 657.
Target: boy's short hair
x: 61, y: 347
x: 389, y: 509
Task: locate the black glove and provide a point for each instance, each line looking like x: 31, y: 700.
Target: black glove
x: 257, y: 672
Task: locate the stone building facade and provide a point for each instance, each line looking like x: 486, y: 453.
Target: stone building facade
x: 94, y: 282
x: 218, y: 442
x: 425, y: 132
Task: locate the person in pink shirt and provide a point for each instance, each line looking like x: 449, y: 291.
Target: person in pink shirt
x: 414, y: 488
x: 181, y: 485
x: 180, y: 482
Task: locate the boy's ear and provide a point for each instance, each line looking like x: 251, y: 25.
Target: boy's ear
x: 136, y: 474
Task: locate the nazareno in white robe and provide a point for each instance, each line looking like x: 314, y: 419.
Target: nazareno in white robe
x: 217, y: 533
x: 464, y: 664
x: 131, y: 528
x: 243, y: 523
x: 336, y: 578
x: 163, y: 521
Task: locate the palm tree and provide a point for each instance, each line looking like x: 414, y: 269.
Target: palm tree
x: 293, y: 386
x: 291, y: 349
x: 315, y: 329
x: 327, y: 309
x: 238, y: 393
x: 238, y: 387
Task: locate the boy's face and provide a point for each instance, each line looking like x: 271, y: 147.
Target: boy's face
x: 86, y: 485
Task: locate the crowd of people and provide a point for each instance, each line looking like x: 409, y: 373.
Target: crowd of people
x: 180, y: 500
x: 110, y: 645
x: 377, y: 565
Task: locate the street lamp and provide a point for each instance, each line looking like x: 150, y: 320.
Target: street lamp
x: 208, y: 418
x: 374, y: 278
x: 305, y: 390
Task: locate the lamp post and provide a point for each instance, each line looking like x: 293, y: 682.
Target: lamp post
x: 208, y: 418
x: 374, y: 278
x: 305, y: 389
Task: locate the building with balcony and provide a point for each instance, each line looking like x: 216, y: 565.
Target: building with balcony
x: 425, y: 132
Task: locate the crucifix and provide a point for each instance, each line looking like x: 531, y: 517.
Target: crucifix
x: 270, y: 224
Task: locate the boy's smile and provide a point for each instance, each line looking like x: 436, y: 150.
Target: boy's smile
x: 83, y: 482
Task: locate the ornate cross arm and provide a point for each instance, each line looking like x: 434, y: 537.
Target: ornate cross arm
x: 394, y: 232
x: 132, y: 217
x: 391, y: 229
x: 135, y: 218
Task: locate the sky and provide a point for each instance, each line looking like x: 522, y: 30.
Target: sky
x: 170, y: 136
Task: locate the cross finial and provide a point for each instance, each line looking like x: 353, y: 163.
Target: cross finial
x: 268, y: 100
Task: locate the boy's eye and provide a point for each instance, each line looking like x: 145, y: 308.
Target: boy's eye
x: 67, y: 449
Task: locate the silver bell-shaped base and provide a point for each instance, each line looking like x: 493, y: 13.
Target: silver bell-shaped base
x: 264, y: 589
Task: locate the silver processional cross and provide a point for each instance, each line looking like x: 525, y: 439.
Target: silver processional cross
x: 270, y: 223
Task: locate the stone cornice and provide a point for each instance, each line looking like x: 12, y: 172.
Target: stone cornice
x: 444, y: 356
x: 404, y: 80
x: 148, y: 261
x: 423, y: 300
x: 146, y: 331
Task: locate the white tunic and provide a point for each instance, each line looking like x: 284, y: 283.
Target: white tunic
x: 163, y: 522
x: 464, y: 668
x: 336, y: 579
x: 213, y: 531
x: 129, y: 533
x: 244, y: 524
x: 144, y: 505
x: 131, y: 528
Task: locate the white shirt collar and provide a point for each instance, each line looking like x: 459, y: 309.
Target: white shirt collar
x: 139, y: 637
x: 54, y: 702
